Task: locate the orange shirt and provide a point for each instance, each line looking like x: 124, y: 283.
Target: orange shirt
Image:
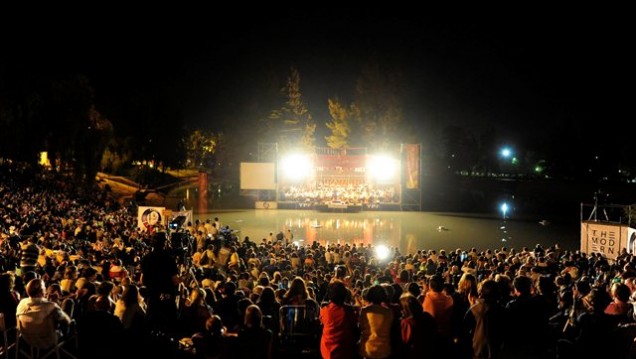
x: 338, y: 332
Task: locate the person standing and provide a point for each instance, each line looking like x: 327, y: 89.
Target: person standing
x: 485, y: 322
x: 160, y: 276
x: 375, y: 323
x: 289, y: 237
x: 29, y: 257
x: 339, y: 325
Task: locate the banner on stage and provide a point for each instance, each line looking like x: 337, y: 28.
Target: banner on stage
x: 413, y: 166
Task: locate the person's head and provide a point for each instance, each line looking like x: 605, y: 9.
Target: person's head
x: 229, y: 288
x: 582, y: 287
x: 267, y: 295
x: 436, y: 283
x: 253, y: 317
x: 489, y: 290
x: 414, y: 289
x: 35, y: 288
x: 214, y: 325
x: 522, y: 285
x: 620, y: 292
x: 597, y: 300
x: 297, y: 287
x: 105, y: 288
x: 7, y: 282
x: 411, y: 307
x: 130, y: 295
x: 54, y: 292
x: 337, y: 292
x: 29, y: 275
x: 375, y: 295
x: 467, y: 285
x: 341, y: 272
x: 159, y: 240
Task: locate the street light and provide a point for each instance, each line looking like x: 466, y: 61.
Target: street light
x: 504, y: 209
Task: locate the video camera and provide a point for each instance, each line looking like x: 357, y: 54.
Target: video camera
x: 177, y: 222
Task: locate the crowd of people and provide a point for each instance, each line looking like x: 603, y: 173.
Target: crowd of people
x: 124, y: 292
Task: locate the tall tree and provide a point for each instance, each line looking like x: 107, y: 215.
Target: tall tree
x: 200, y: 147
x: 93, y: 142
x: 293, y: 122
x: 339, y: 125
x: 379, y: 103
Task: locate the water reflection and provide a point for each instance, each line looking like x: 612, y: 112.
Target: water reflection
x: 352, y: 230
x: 322, y: 227
x: 408, y: 231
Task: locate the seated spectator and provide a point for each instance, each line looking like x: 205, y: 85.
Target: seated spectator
x: 9, y: 299
x: 34, y: 312
x: 620, y: 305
x: 254, y: 340
x: 213, y: 342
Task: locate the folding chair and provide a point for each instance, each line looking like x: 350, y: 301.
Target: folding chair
x: 299, y: 333
x: 38, y: 337
x: 8, y: 338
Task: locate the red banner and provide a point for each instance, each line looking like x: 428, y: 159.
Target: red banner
x: 412, y: 166
x: 203, y: 192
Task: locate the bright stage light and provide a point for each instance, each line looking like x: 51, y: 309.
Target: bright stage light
x: 382, y: 252
x: 296, y: 167
x: 382, y: 167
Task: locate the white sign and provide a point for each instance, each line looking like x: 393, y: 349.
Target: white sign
x: 604, y: 238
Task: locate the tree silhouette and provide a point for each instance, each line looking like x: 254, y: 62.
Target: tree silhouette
x: 339, y: 125
x: 379, y: 106
x: 294, y: 124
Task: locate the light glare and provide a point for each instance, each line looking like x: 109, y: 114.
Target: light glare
x: 296, y: 167
x: 382, y: 252
x: 381, y: 167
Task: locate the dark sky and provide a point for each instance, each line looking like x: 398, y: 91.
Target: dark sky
x: 521, y: 71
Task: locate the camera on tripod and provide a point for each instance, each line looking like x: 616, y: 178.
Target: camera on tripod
x: 177, y: 222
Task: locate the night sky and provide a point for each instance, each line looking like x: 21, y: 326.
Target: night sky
x: 521, y: 72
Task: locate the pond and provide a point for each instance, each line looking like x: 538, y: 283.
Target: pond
x: 408, y: 231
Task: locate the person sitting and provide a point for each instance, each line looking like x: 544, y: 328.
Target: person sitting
x: 34, y: 312
x: 214, y: 342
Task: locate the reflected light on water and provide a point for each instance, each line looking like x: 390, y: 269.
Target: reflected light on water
x: 407, y: 231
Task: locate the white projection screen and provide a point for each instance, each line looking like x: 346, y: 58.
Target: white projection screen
x: 258, y: 175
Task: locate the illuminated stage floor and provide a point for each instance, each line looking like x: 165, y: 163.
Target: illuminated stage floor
x: 406, y: 230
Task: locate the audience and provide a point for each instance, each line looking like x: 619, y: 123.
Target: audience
x: 536, y: 302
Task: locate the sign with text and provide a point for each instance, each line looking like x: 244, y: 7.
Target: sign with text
x: 604, y: 238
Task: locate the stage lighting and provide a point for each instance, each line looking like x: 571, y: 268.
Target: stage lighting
x: 382, y: 168
x: 296, y: 167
